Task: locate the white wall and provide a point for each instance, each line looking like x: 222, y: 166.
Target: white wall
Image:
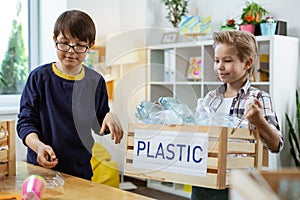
x: 49, y: 12
x: 106, y: 15
x: 221, y: 10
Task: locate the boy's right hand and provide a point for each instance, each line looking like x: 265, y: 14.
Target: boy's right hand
x: 46, y: 156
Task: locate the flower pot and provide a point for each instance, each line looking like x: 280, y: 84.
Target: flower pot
x: 268, y: 28
x: 248, y: 27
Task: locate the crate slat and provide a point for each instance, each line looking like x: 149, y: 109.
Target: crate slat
x: 233, y: 148
x: 3, y: 169
x: 3, y: 142
x: 3, y: 156
x: 240, y: 163
x: 213, y: 130
x: 212, y: 163
x: 210, y: 180
x: 3, y: 124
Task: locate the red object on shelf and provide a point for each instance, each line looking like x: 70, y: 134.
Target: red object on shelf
x: 248, y: 27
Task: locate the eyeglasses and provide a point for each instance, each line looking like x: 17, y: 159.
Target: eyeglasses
x: 66, y: 47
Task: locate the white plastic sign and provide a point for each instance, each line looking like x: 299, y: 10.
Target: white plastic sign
x: 171, y: 151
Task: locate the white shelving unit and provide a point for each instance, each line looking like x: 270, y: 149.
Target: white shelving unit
x: 180, y: 87
x: 283, y: 55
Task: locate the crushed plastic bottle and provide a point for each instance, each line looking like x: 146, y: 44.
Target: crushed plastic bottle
x: 167, y: 110
x: 144, y: 110
x: 203, y: 113
x: 184, y: 113
x: 206, y: 116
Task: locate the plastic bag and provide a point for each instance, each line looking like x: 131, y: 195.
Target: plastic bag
x: 105, y: 171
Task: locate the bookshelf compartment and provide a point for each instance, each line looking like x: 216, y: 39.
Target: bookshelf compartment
x: 188, y: 94
x: 161, y: 91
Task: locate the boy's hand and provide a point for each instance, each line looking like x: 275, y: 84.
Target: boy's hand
x: 111, y: 122
x: 46, y: 156
x: 255, y: 115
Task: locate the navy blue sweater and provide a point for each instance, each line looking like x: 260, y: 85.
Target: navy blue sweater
x: 63, y: 112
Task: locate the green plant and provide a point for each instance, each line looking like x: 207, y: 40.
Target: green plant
x: 252, y: 13
x: 176, y: 9
x: 2, y: 81
x: 229, y: 23
x: 267, y: 19
x: 293, y: 135
x: 14, y: 68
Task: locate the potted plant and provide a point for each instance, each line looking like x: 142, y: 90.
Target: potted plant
x: 175, y: 10
x: 294, y: 134
x: 229, y: 25
x: 251, y: 16
x: 268, y: 25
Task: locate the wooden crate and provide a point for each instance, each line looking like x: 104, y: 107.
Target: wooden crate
x: 273, y: 177
x: 7, y: 152
x: 272, y: 184
x: 226, y: 152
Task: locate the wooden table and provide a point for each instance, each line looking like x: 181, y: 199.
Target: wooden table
x: 74, y: 187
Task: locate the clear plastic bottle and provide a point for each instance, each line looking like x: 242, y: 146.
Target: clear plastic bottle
x: 183, y: 112
x: 144, y: 110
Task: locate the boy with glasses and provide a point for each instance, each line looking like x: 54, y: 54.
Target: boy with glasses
x: 62, y: 102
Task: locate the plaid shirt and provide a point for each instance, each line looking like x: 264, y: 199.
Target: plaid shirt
x: 245, y: 95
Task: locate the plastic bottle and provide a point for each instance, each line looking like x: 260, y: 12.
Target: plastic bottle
x: 144, y: 110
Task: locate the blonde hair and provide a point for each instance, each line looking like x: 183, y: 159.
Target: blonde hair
x: 243, y: 42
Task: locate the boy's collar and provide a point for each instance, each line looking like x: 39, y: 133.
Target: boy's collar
x: 80, y: 76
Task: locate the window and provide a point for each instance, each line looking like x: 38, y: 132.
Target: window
x: 28, y: 18
x: 14, y: 47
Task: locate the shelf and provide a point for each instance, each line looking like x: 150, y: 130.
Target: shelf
x: 161, y: 83
x: 181, y: 45
x: 198, y: 83
x: 188, y: 83
x: 260, y: 83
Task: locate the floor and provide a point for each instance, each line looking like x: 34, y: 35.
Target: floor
x: 142, y: 189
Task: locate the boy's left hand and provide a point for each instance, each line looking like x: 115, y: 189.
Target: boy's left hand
x: 111, y: 122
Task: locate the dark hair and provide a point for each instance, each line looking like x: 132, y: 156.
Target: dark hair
x: 77, y: 24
